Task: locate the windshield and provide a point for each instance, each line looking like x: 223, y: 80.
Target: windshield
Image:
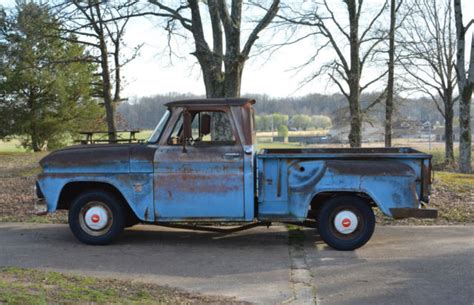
x: 159, y: 128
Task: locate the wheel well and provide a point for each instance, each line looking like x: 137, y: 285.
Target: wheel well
x: 317, y: 200
x: 71, y: 190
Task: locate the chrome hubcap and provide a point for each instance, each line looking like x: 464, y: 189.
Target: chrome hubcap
x: 345, y: 222
x: 95, y: 218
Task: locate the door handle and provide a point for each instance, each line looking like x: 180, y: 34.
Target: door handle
x: 231, y: 155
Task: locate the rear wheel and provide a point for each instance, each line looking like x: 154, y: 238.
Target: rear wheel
x: 96, y: 218
x: 345, y: 222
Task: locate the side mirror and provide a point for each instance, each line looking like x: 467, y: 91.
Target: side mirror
x: 187, y: 131
x: 205, y: 124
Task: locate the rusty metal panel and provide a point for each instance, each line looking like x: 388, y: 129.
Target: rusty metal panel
x: 98, y: 158
x: 390, y: 182
x: 201, y: 183
x: 204, y: 181
x: 400, y: 213
x: 137, y: 189
x: 243, y: 118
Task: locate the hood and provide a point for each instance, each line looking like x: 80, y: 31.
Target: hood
x: 109, y: 158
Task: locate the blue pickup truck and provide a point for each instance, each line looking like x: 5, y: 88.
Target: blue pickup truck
x: 200, y: 168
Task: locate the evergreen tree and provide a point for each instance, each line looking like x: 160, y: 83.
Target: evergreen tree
x: 45, y: 81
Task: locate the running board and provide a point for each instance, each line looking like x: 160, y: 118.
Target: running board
x: 213, y: 229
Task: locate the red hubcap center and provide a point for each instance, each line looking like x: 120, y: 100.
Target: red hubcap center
x: 346, y: 222
x: 95, y: 218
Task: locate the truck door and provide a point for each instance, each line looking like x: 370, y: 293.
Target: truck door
x: 204, y: 178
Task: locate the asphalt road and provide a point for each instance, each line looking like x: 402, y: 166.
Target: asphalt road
x: 400, y: 265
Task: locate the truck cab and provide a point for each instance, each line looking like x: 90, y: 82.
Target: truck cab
x: 200, y: 165
x: 204, y: 160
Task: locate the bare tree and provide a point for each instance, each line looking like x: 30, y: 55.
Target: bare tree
x: 221, y: 70
x: 394, y: 8
x: 428, y: 46
x: 465, y: 86
x: 100, y: 25
x: 345, y: 71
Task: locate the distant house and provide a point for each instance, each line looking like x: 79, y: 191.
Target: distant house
x: 440, y: 137
x: 370, y: 133
x: 406, y: 128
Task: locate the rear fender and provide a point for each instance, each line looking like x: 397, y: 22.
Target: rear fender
x: 390, y: 184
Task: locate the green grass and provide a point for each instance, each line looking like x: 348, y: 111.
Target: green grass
x: 295, y: 234
x: 277, y: 145
x: 142, y: 135
x: 27, y: 286
x: 438, y: 160
x: 457, y: 182
x: 299, y: 133
x: 11, y: 147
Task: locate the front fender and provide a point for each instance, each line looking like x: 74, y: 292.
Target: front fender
x: 137, y: 189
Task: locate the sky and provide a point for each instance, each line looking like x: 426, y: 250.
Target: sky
x: 273, y: 74
x: 155, y: 71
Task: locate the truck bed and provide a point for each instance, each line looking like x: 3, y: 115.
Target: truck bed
x: 349, y: 153
x: 290, y: 179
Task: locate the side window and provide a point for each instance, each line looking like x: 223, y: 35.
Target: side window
x: 175, y: 137
x: 208, y: 128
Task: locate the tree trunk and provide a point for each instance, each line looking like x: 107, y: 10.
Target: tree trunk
x: 35, y: 141
x: 33, y: 128
x: 465, y: 136
x: 465, y: 132
x: 222, y: 84
x: 222, y: 73
x: 213, y: 76
x: 391, y: 68
x: 233, y: 76
x: 448, y: 132
x: 107, y: 94
x: 465, y: 86
x: 355, y: 134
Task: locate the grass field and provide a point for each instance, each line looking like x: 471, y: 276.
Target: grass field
x: 263, y: 145
x: 27, y: 286
x: 11, y: 146
x: 299, y: 133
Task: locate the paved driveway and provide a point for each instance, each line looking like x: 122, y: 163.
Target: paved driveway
x: 401, y: 265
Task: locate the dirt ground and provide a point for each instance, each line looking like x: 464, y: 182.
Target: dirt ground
x: 453, y: 194
x: 17, y: 195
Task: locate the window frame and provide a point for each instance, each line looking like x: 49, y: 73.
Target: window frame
x: 199, y: 109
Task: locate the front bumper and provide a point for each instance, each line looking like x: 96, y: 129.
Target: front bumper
x: 40, y: 207
x: 400, y: 213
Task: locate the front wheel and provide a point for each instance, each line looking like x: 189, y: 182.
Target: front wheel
x: 346, y: 222
x: 96, y: 218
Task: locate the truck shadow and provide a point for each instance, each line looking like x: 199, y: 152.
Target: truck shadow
x: 149, y: 252
x: 151, y: 235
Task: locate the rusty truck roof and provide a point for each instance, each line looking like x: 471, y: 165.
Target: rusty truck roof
x: 212, y: 101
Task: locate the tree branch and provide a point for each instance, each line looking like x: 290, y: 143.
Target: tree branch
x: 271, y: 12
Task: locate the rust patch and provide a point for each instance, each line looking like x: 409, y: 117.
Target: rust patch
x: 142, y: 152
x: 197, y: 184
x: 370, y: 168
x: 88, y: 155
